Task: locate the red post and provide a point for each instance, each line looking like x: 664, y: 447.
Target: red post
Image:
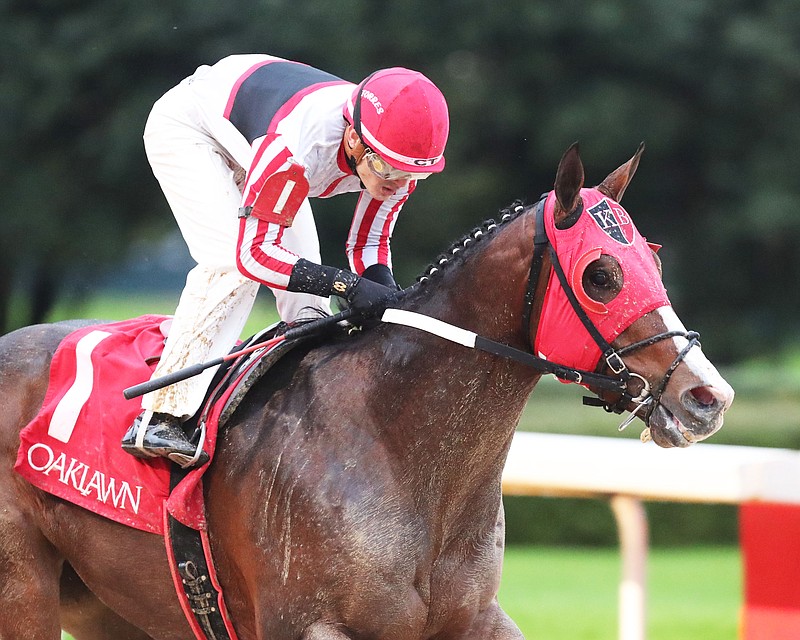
x: 770, y: 540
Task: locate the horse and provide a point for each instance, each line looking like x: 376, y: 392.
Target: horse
x: 355, y: 493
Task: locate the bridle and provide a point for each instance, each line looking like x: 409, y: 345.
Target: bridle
x: 618, y: 381
x: 646, y: 399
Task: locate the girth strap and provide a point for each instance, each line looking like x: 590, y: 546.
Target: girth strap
x: 193, y: 574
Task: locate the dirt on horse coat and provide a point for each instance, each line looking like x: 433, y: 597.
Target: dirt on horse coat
x: 355, y: 492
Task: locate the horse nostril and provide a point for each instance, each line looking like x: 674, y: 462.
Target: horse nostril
x: 704, y: 396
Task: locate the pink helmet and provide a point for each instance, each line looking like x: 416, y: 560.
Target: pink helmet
x: 402, y: 116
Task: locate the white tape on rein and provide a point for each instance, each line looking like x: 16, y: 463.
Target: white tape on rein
x: 431, y: 325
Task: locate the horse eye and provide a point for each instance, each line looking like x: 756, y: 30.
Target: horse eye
x: 599, y: 278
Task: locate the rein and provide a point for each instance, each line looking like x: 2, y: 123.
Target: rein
x: 474, y: 341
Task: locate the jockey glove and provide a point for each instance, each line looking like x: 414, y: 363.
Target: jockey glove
x: 381, y: 274
x: 363, y: 294
x: 367, y: 295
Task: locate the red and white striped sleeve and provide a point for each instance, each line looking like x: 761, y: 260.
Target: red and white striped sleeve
x: 368, y: 242
x: 259, y: 254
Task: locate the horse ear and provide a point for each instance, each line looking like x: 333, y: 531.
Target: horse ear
x: 617, y: 181
x: 569, y: 182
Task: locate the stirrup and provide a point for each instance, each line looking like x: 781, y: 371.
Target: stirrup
x: 184, y: 461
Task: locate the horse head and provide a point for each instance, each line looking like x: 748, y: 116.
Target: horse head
x: 587, y: 303
x: 603, y: 308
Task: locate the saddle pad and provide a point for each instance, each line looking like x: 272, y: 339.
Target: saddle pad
x: 71, y: 449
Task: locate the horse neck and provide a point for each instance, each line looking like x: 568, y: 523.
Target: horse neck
x: 481, y: 287
x: 463, y: 405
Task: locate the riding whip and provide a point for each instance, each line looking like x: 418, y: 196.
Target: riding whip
x: 300, y: 331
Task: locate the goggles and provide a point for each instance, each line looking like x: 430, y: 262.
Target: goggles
x: 385, y: 171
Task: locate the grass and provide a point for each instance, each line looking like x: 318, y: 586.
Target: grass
x: 557, y: 593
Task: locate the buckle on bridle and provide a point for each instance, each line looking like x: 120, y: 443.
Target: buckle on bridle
x: 615, y: 363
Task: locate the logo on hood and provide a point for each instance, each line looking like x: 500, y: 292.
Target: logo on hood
x: 614, y: 221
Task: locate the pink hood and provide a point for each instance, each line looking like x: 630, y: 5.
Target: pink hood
x: 604, y: 227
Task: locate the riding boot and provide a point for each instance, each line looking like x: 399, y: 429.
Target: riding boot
x: 163, y: 436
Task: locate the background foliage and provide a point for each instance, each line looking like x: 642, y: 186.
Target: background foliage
x: 712, y: 87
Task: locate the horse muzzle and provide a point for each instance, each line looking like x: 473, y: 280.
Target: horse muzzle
x: 689, y: 414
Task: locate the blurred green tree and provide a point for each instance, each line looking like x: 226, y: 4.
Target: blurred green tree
x: 712, y: 87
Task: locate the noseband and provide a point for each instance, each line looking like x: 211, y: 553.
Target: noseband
x: 646, y: 399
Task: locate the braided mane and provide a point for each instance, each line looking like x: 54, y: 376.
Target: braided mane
x: 460, y: 247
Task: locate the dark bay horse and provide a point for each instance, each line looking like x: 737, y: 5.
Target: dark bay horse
x: 355, y: 492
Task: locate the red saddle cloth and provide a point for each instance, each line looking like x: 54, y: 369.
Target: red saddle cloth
x: 71, y: 449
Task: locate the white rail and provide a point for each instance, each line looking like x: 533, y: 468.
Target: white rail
x: 628, y: 472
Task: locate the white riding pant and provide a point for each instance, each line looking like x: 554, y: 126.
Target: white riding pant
x: 202, y: 186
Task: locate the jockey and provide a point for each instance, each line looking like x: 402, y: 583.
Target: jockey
x: 238, y: 149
